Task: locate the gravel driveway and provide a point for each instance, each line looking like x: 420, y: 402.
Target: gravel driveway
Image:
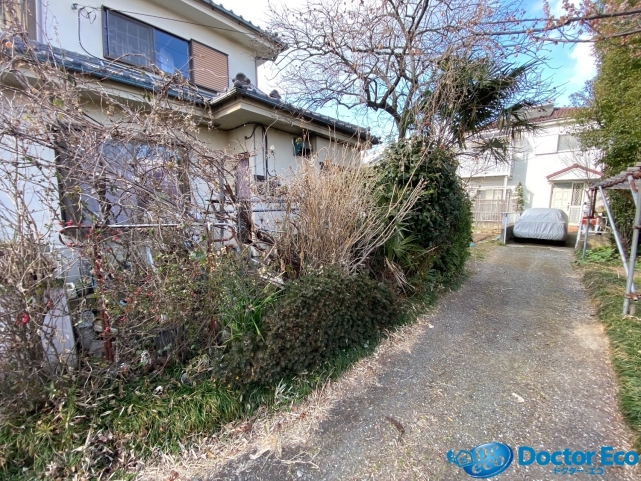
x: 515, y: 356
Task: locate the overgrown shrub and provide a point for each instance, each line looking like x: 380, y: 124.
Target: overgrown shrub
x: 316, y: 318
x: 441, y: 219
x: 334, y: 218
x: 189, y: 303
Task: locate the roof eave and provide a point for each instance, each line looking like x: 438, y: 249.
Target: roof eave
x: 278, y: 45
x: 305, y: 115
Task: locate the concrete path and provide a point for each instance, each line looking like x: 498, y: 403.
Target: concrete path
x: 515, y: 356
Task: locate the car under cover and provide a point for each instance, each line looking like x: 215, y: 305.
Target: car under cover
x: 546, y: 224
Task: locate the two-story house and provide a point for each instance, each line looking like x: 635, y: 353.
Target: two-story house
x: 209, y: 45
x: 548, y: 163
x: 127, y: 48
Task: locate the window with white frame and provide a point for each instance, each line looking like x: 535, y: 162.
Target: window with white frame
x: 490, y: 194
x: 567, y: 142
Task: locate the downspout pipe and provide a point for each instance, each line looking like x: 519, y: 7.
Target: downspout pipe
x: 265, y: 144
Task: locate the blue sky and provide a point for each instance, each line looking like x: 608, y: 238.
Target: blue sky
x: 569, y: 66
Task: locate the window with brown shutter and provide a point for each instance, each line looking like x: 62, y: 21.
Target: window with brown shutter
x: 209, y: 67
x: 134, y: 42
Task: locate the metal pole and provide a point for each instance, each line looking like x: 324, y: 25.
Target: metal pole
x: 578, y: 233
x: 587, y: 230
x: 633, y: 258
x: 585, y: 239
x: 633, y: 188
x: 615, y: 232
x: 505, y: 228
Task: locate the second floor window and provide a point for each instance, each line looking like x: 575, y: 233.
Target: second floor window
x: 567, y: 142
x: 137, y: 43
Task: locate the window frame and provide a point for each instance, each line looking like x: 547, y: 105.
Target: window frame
x: 305, y: 139
x: 151, y: 65
x: 570, y: 149
x: 493, y: 190
x: 107, y: 181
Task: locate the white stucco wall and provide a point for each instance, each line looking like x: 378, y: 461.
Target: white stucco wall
x: 62, y: 26
x: 536, y: 161
x: 281, y: 160
x: 32, y: 181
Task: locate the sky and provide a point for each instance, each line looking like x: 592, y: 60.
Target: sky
x: 569, y: 66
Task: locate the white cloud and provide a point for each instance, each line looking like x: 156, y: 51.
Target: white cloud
x: 569, y: 65
x: 584, y: 63
x: 574, y: 68
x: 556, y: 8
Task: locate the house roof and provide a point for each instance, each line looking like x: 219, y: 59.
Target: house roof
x: 112, y: 71
x: 543, y: 113
x: 557, y: 113
x: 246, y: 23
x: 574, y: 167
x: 304, y: 114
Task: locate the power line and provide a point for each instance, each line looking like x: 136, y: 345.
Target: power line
x: 169, y: 18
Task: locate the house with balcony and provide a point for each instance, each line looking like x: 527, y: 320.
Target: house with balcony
x: 548, y: 164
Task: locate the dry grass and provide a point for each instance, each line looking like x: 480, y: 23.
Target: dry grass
x: 605, y: 283
x: 269, y: 434
x: 333, y: 217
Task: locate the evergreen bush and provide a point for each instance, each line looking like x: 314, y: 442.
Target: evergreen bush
x: 316, y: 317
x: 441, y: 219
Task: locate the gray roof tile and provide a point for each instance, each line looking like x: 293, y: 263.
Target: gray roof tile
x: 112, y: 71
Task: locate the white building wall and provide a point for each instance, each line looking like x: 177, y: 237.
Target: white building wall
x: 64, y: 27
x: 537, y: 159
x: 32, y: 181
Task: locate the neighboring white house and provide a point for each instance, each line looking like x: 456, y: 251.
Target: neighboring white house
x: 548, y: 163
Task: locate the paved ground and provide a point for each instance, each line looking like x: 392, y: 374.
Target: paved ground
x: 515, y: 356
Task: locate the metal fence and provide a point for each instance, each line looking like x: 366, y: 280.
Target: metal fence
x: 488, y: 213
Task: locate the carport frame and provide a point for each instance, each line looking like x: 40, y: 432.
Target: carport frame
x: 627, y: 179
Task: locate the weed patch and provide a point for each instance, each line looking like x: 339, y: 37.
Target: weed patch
x: 624, y: 332
x: 127, y: 420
